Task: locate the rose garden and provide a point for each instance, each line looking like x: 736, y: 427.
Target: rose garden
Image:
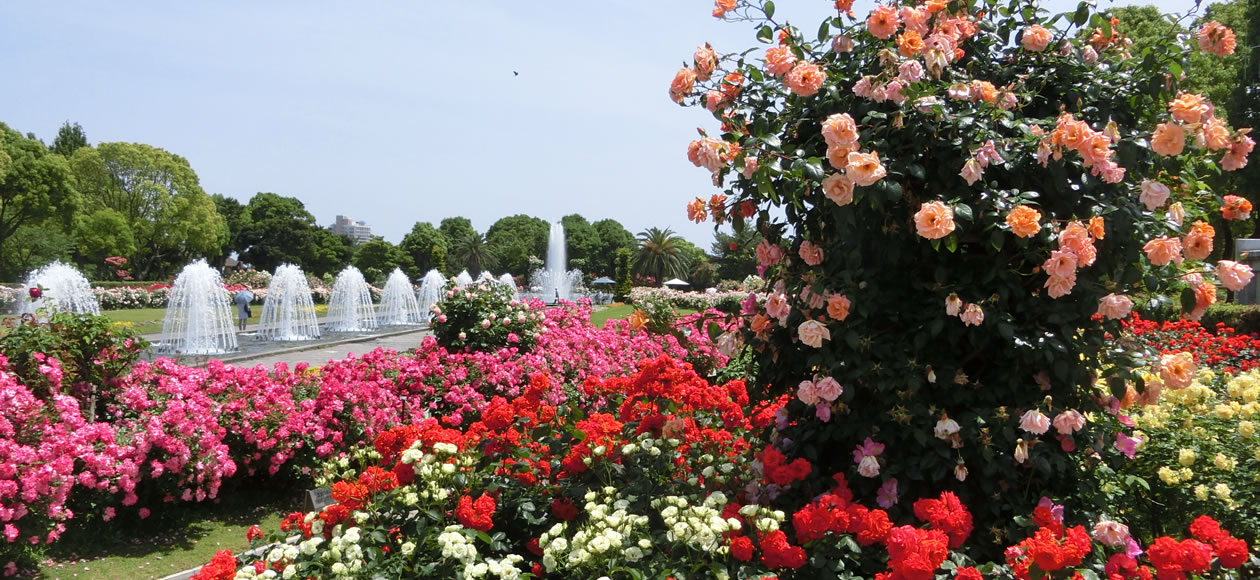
x: 983, y: 343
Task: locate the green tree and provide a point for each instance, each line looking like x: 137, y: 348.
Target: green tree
x: 35, y: 186
x: 70, y: 138
x: 377, y: 258
x: 514, y: 239
x: 102, y: 234
x: 171, y: 219
x: 330, y: 253
x: 472, y: 253
x: 621, y: 269
x: 456, y: 228
x: 581, y: 239
x: 612, y: 236
x: 41, y: 244
x: 422, y: 245
x: 233, y: 213
x: 662, y: 255
x: 278, y: 230
x: 735, y: 253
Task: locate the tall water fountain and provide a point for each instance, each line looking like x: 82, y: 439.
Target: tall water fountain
x: 198, y: 314
x: 554, y: 281
x: 64, y: 290
x: 508, y: 282
x: 350, y: 308
x: 398, y: 304
x: 289, y: 312
x: 463, y: 279
x: 431, y: 288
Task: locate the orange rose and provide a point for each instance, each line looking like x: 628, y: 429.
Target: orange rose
x: 696, y: 210
x: 1035, y: 38
x: 1163, y: 250
x: 760, y: 323
x: 805, y: 79
x: 910, y: 44
x: 934, y: 220
x: 780, y: 60
x: 1177, y: 370
x: 1217, y: 39
x: 865, y: 168
x: 1198, y: 243
x: 1096, y: 228
x: 1169, y: 139
x: 838, y: 157
x: 1188, y: 108
x: 839, y: 130
x: 838, y: 306
x: 1215, y: 134
x: 684, y: 81
x: 637, y: 319
x: 721, y: 7
x: 883, y: 22
x: 1236, y: 208
x: 1204, y: 295
x: 1025, y: 221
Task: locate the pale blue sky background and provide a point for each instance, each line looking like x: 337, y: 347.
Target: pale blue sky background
x: 393, y: 112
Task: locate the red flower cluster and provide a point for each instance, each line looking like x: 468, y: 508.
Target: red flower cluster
x: 777, y: 553
x: 828, y: 513
x: 948, y: 515
x: 477, y: 514
x: 253, y: 533
x: 1223, y: 349
x: 377, y: 480
x: 1232, y: 552
x: 776, y: 469
x: 915, y: 554
x: 1050, y: 548
x: 563, y: 508
x: 221, y: 567
x: 1172, y: 558
x: 741, y: 548
x: 296, y: 521
x: 350, y: 494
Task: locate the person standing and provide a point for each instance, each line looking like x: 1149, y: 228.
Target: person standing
x: 243, y: 313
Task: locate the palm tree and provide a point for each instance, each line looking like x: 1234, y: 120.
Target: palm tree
x: 472, y: 252
x: 660, y: 255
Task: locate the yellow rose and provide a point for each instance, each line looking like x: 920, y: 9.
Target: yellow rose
x: 1223, y: 462
x: 1222, y: 491
x: 1168, y: 475
x: 1224, y: 411
x: 1246, y: 428
x: 1186, y: 456
x: 1201, y: 492
x: 1186, y: 474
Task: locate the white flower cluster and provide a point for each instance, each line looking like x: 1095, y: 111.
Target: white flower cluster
x: 345, y: 553
x: 457, y: 544
x: 764, y: 519
x: 287, y: 552
x: 608, y: 534
x: 700, y: 526
x: 431, y: 473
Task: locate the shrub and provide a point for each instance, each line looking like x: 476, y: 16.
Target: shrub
x: 621, y: 291
x: 485, y: 317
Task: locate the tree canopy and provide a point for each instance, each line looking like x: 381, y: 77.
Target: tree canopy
x: 612, y: 237
x: 425, y: 246
x: 70, y: 138
x: 278, y: 230
x: 662, y: 255
x: 514, y: 239
x: 36, y: 186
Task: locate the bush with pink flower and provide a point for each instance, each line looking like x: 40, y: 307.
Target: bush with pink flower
x: 485, y: 317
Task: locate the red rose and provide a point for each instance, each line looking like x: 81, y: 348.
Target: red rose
x: 741, y: 548
x: 35, y: 293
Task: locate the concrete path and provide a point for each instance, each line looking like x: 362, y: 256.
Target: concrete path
x: 314, y: 353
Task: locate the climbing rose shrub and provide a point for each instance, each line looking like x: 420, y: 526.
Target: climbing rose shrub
x: 485, y: 317
x: 959, y: 200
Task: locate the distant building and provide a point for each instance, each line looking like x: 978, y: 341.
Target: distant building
x: 356, y: 230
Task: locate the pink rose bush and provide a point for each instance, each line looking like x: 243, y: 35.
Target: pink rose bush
x: 1026, y: 170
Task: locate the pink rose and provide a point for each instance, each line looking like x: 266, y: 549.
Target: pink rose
x: 706, y: 61
x: 780, y: 60
x: 813, y: 333
x: 869, y: 466
x: 1154, y: 194
x: 883, y: 22
x: 839, y: 130
x: 777, y: 306
x: 829, y: 389
x: 972, y: 315
x: 1115, y: 306
x: 1176, y: 214
x: 1163, y: 250
x: 838, y: 188
x: 1060, y: 286
x: 811, y: 253
x: 842, y: 44
x: 1069, y: 422
x: 684, y: 81
x: 1033, y: 421
x: 1035, y: 38
x: 971, y: 172
x: 768, y: 254
x: 838, y: 306
x: 946, y: 428
x: 953, y: 305
x: 910, y: 71
x: 1168, y: 139
x: 865, y: 168
x: 1177, y: 370
x: 1233, y: 275
x: 1110, y: 533
x: 1060, y: 264
x: 807, y: 393
x: 805, y: 79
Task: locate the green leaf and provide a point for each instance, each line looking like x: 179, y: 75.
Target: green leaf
x: 772, y: 141
x: 1082, y: 14
x: 824, y: 32
x: 963, y: 211
x: 769, y: 9
x: 765, y: 34
x: 1187, y: 300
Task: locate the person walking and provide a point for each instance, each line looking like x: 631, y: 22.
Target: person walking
x: 243, y: 313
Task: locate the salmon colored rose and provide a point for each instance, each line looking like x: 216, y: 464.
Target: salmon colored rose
x: 971, y: 171
x: 1035, y: 38
x: 1115, y: 306
x: 705, y: 60
x: 1236, y: 208
x: 1239, y: 148
x: 1060, y: 264
x: 838, y: 157
x: 777, y: 306
x: 1217, y: 39
x: 696, y: 210
x: 953, y: 305
x: 1177, y: 370
x: 1204, y: 295
x: 805, y: 79
x: 934, y: 220
x: 865, y: 168
x: 1096, y: 228
x: 1060, y: 286
x: 1154, y: 194
x: 910, y: 44
x: 1163, y: 250
x: 838, y: 306
x: 972, y: 315
x: 638, y: 319
x: 838, y: 188
x: 811, y: 253
x: 780, y: 60
x: 813, y: 333
x: 760, y: 323
x: 1197, y: 244
x: 684, y: 81
x: 883, y: 22
x: 839, y: 130
x: 1215, y: 134
x: 1233, y: 275
x: 1188, y: 108
x: 721, y: 7
x: 1169, y: 139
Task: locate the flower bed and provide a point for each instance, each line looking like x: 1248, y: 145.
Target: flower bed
x: 725, y: 301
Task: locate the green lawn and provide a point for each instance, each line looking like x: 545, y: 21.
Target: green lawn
x: 619, y: 311
x: 161, y: 549
x: 149, y: 320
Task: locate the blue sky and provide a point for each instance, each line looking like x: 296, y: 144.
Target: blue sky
x: 394, y: 112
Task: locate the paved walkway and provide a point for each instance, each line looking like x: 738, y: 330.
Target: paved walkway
x: 313, y: 353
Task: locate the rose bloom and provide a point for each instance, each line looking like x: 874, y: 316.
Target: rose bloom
x: 696, y: 210
x: 813, y: 333
x: 1204, y: 295
x: 972, y: 315
x: 1115, y: 306
x: 713, y: 100
x: 684, y: 81
x: 1154, y: 194
x: 1069, y: 422
x: 1176, y: 214
x: 780, y: 60
x: 1163, y: 250
x: 811, y: 253
x: 971, y: 172
x: 1075, y: 238
x: 1060, y: 264
x: 842, y: 44
x: 807, y: 393
x: 1217, y: 39
x: 1169, y: 139
x: 1236, y: 208
x: 777, y: 306
x: 1177, y: 370
x: 1033, y: 421
x: 1025, y: 221
x: 1197, y: 244
x: 1233, y: 275
x: 953, y: 305
x: 1035, y: 38
x: 805, y: 79
x: 1188, y: 108
x: 1236, y: 157
x: 934, y: 220
x: 839, y: 130
x: 706, y: 61
x: 865, y: 168
x: 865, y: 87
x: 721, y: 7
x: 838, y: 189
x: 760, y: 323
x: 1096, y: 228
x: 1215, y: 134
x: 838, y: 306
x: 768, y: 254
x: 883, y: 22
x: 829, y: 389
x: 1110, y: 533
x: 750, y: 166
x: 1060, y: 286
x: 910, y: 44
x: 910, y: 71
x: 945, y: 428
x: 838, y: 157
